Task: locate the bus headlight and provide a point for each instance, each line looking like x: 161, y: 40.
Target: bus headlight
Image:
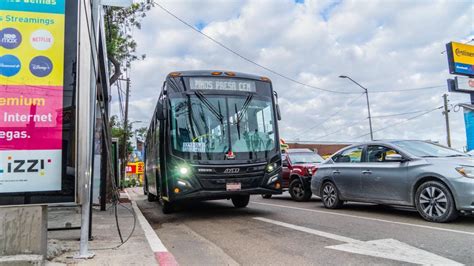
x: 270, y: 167
x: 183, y: 170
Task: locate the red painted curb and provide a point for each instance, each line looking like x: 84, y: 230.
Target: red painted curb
x: 165, y: 259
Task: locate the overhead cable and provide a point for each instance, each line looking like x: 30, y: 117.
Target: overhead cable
x: 271, y: 70
x: 331, y: 115
x: 404, y: 121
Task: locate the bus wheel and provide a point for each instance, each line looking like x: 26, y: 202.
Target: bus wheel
x: 167, y: 207
x: 151, y: 197
x: 241, y: 201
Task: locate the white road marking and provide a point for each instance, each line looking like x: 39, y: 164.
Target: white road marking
x: 367, y: 218
x: 384, y: 248
x: 309, y: 230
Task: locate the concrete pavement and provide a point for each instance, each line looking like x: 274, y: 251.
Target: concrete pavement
x: 215, y: 233
x: 63, y: 245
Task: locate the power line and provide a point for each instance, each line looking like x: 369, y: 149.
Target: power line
x: 400, y: 114
x: 411, y: 89
x: 333, y: 114
x: 274, y: 71
x: 341, y: 129
x: 404, y: 121
x: 244, y: 57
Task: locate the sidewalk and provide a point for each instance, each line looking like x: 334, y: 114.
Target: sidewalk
x: 63, y: 245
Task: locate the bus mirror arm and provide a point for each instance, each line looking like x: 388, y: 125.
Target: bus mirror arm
x: 160, y: 114
x: 278, y: 113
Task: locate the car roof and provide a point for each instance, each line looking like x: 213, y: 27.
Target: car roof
x: 299, y: 150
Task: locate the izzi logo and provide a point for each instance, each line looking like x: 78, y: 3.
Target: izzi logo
x: 29, y: 166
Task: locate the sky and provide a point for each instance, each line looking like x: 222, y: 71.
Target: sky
x: 383, y: 45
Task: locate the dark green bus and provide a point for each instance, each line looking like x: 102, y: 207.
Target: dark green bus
x: 213, y: 135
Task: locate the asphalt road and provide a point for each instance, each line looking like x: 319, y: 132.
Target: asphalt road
x: 279, y: 231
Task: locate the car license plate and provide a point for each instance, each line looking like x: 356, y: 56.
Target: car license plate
x: 233, y: 186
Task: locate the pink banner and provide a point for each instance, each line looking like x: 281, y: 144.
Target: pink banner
x: 30, y: 117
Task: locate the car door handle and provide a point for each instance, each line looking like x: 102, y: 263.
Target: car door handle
x: 367, y: 172
x: 336, y: 172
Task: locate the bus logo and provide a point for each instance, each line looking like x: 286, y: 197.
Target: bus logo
x: 231, y: 170
x: 230, y: 155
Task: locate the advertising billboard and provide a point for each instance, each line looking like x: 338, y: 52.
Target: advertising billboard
x: 464, y: 84
x: 460, y: 58
x: 469, y: 121
x: 37, y: 98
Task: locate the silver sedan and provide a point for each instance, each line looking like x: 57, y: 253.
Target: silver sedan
x: 437, y: 180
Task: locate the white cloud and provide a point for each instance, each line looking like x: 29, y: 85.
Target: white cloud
x: 381, y: 44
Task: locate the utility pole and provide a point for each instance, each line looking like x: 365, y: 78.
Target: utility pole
x: 446, y: 116
x: 125, y: 129
x: 368, y: 103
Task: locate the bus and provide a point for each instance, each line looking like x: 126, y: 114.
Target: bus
x: 213, y: 135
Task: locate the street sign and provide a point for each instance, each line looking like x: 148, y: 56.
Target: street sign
x: 140, y: 167
x: 460, y: 58
x: 131, y: 168
x: 464, y: 84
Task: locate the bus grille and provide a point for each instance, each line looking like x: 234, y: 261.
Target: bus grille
x: 215, y: 177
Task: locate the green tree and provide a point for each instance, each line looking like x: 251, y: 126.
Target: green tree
x: 121, y: 47
x: 117, y: 131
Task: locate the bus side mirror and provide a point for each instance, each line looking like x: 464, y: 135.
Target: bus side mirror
x: 278, y: 113
x: 160, y: 114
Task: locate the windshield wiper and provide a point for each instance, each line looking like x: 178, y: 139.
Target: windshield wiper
x: 457, y: 155
x: 240, y: 113
x: 429, y: 156
x: 206, y: 102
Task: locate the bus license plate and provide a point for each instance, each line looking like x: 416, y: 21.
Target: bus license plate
x: 233, y: 186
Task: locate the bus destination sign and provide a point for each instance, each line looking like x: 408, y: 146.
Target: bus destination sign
x: 222, y: 84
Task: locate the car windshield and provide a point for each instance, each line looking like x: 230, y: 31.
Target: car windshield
x: 427, y: 149
x: 209, y: 124
x: 306, y: 157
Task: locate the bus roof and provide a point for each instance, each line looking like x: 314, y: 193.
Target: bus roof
x: 208, y: 73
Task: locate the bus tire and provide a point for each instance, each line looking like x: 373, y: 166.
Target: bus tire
x: 167, y: 207
x: 241, y: 201
x: 151, y: 197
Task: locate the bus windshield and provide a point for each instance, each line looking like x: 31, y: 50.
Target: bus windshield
x: 206, y: 127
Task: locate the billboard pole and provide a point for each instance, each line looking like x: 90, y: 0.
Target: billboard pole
x: 86, y: 119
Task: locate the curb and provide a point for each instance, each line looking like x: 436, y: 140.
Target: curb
x: 162, y: 256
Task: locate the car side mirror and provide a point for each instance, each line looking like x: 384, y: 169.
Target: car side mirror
x: 394, y: 158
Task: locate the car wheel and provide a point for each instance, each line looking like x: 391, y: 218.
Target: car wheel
x: 435, y: 202
x: 266, y: 196
x: 241, y: 201
x: 298, y: 191
x: 330, y: 196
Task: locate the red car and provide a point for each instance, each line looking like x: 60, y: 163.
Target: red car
x: 299, y: 165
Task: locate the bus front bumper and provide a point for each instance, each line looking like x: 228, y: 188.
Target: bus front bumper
x: 219, y: 194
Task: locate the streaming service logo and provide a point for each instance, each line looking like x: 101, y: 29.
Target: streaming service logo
x: 10, y: 38
x: 41, y: 40
x: 41, y: 66
x: 10, y: 65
